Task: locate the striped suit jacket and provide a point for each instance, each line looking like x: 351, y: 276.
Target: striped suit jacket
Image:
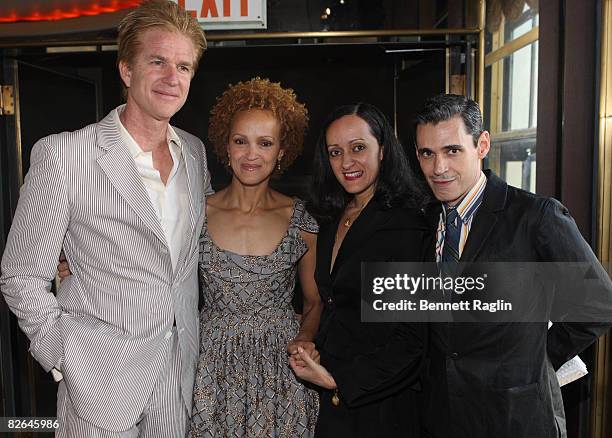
x: 106, y: 329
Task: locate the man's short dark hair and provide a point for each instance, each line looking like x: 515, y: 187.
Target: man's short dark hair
x: 446, y: 106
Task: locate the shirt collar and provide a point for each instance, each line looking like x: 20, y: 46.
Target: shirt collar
x: 133, y: 147
x: 471, y: 201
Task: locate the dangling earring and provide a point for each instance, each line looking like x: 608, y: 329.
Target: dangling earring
x: 229, y: 160
x: 278, y: 160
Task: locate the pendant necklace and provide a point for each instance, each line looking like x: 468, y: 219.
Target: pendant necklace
x: 348, y: 222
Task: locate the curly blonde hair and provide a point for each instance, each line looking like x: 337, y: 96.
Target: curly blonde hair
x: 264, y: 95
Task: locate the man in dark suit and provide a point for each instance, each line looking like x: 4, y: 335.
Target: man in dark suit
x: 495, y: 379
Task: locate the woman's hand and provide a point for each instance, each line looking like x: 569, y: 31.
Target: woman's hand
x: 307, y: 346
x: 311, y: 371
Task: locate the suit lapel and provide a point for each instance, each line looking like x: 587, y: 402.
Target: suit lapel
x: 432, y: 218
x: 325, y: 245
x: 494, y: 200
x: 194, y: 181
x: 368, y: 222
x: 484, y: 222
x: 195, y: 194
x: 121, y: 171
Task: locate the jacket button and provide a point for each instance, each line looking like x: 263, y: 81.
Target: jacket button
x: 330, y: 300
x: 454, y: 355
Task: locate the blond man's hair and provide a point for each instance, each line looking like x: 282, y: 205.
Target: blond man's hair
x: 157, y: 13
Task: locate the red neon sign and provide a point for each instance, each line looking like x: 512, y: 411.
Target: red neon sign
x: 96, y: 8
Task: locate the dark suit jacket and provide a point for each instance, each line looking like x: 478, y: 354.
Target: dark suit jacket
x: 373, y: 363
x: 497, y: 379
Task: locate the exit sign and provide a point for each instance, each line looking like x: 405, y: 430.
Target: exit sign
x: 227, y: 14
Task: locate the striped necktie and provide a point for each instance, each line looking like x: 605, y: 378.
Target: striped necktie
x: 449, y: 263
x: 452, y: 234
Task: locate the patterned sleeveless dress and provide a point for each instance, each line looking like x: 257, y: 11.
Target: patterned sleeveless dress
x: 244, y: 386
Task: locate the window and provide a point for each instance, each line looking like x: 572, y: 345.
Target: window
x: 511, y: 87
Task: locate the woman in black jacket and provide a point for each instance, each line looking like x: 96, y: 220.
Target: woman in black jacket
x: 367, y: 201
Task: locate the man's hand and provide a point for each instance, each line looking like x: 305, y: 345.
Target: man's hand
x: 63, y: 270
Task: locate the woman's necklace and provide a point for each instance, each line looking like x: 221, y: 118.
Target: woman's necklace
x: 349, y: 220
x: 342, y: 231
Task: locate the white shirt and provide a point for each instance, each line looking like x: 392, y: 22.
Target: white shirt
x: 170, y: 201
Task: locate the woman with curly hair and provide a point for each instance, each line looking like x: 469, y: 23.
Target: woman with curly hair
x: 253, y: 243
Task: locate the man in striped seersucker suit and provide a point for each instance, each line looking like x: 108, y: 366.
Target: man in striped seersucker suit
x: 124, y: 199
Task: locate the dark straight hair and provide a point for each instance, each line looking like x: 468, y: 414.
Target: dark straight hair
x: 444, y: 107
x: 396, y: 184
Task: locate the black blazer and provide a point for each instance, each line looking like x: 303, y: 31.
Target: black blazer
x: 374, y: 364
x: 498, y: 379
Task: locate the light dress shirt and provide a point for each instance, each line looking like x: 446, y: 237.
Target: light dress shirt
x: 466, y: 209
x: 170, y: 201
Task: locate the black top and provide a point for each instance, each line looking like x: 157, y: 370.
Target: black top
x: 374, y: 364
